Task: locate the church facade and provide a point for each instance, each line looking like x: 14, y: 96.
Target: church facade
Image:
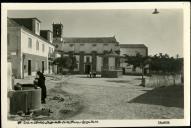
x: 93, y: 54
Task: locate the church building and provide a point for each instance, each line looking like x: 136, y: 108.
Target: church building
x: 93, y: 54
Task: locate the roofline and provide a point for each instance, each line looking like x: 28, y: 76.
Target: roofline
x: 13, y: 21
x: 36, y: 35
x: 46, y: 30
x: 27, y: 18
x: 23, y: 27
x: 91, y: 37
x: 142, y: 45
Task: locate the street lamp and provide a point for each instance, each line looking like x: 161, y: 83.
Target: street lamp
x: 155, y: 11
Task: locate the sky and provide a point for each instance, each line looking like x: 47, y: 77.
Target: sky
x: 161, y: 33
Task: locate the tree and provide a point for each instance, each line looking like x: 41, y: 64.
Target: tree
x: 166, y: 65
x: 68, y: 62
x: 138, y: 61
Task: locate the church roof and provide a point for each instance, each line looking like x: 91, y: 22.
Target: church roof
x: 90, y: 40
x: 132, y: 46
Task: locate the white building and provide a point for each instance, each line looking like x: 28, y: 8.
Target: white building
x: 29, y: 49
x: 131, y: 50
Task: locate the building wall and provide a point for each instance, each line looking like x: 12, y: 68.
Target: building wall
x: 36, y: 64
x: 77, y: 60
x: 88, y: 47
x: 39, y: 53
x: 14, y: 50
x: 99, y: 64
x: 133, y: 51
x: 111, y: 63
x: 24, y: 45
x: 19, y: 51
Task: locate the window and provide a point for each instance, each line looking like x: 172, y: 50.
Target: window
x: 87, y: 59
x: 93, y: 45
x: 38, y: 27
x: 50, y: 50
x: 29, y: 43
x: 50, y: 36
x: 105, y: 44
x: 37, y: 45
x: 43, y: 48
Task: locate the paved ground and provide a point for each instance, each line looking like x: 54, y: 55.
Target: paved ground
x: 111, y: 98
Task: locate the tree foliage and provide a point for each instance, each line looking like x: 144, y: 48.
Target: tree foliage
x: 68, y: 62
x: 162, y: 63
x: 136, y: 61
x: 159, y: 63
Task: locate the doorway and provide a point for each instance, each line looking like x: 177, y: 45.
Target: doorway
x: 87, y: 68
x: 123, y: 71
x: 42, y: 66
x: 49, y: 67
x: 29, y: 67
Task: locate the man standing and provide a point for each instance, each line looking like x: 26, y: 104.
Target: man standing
x: 41, y: 84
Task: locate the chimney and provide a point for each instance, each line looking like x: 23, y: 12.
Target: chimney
x: 47, y: 34
x: 50, y: 36
x: 36, y: 26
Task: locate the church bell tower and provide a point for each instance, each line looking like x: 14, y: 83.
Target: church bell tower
x: 58, y: 36
x: 57, y: 31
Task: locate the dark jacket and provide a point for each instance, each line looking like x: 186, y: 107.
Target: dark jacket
x: 41, y: 84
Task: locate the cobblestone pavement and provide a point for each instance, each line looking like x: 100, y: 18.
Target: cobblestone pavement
x: 117, y: 98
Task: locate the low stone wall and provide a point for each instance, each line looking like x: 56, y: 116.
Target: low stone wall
x: 162, y: 80
x: 111, y: 74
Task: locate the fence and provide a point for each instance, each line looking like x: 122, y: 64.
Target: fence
x: 162, y: 80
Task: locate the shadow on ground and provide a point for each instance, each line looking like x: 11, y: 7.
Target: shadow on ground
x: 119, y: 81
x: 169, y: 96
x: 89, y: 77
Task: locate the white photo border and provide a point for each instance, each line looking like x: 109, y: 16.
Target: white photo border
x: 87, y: 6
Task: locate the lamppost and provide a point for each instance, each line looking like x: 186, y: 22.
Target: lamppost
x: 155, y: 11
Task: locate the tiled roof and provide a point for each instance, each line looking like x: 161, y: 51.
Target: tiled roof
x: 27, y: 19
x: 132, y: 46
x: 11, y: 22
x: 90, y: 40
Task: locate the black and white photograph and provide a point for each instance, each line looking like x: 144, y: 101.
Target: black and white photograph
x: 78, y: 65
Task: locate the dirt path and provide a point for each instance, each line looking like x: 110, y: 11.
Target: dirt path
x: 104, y: 98
x: 78, y: 97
